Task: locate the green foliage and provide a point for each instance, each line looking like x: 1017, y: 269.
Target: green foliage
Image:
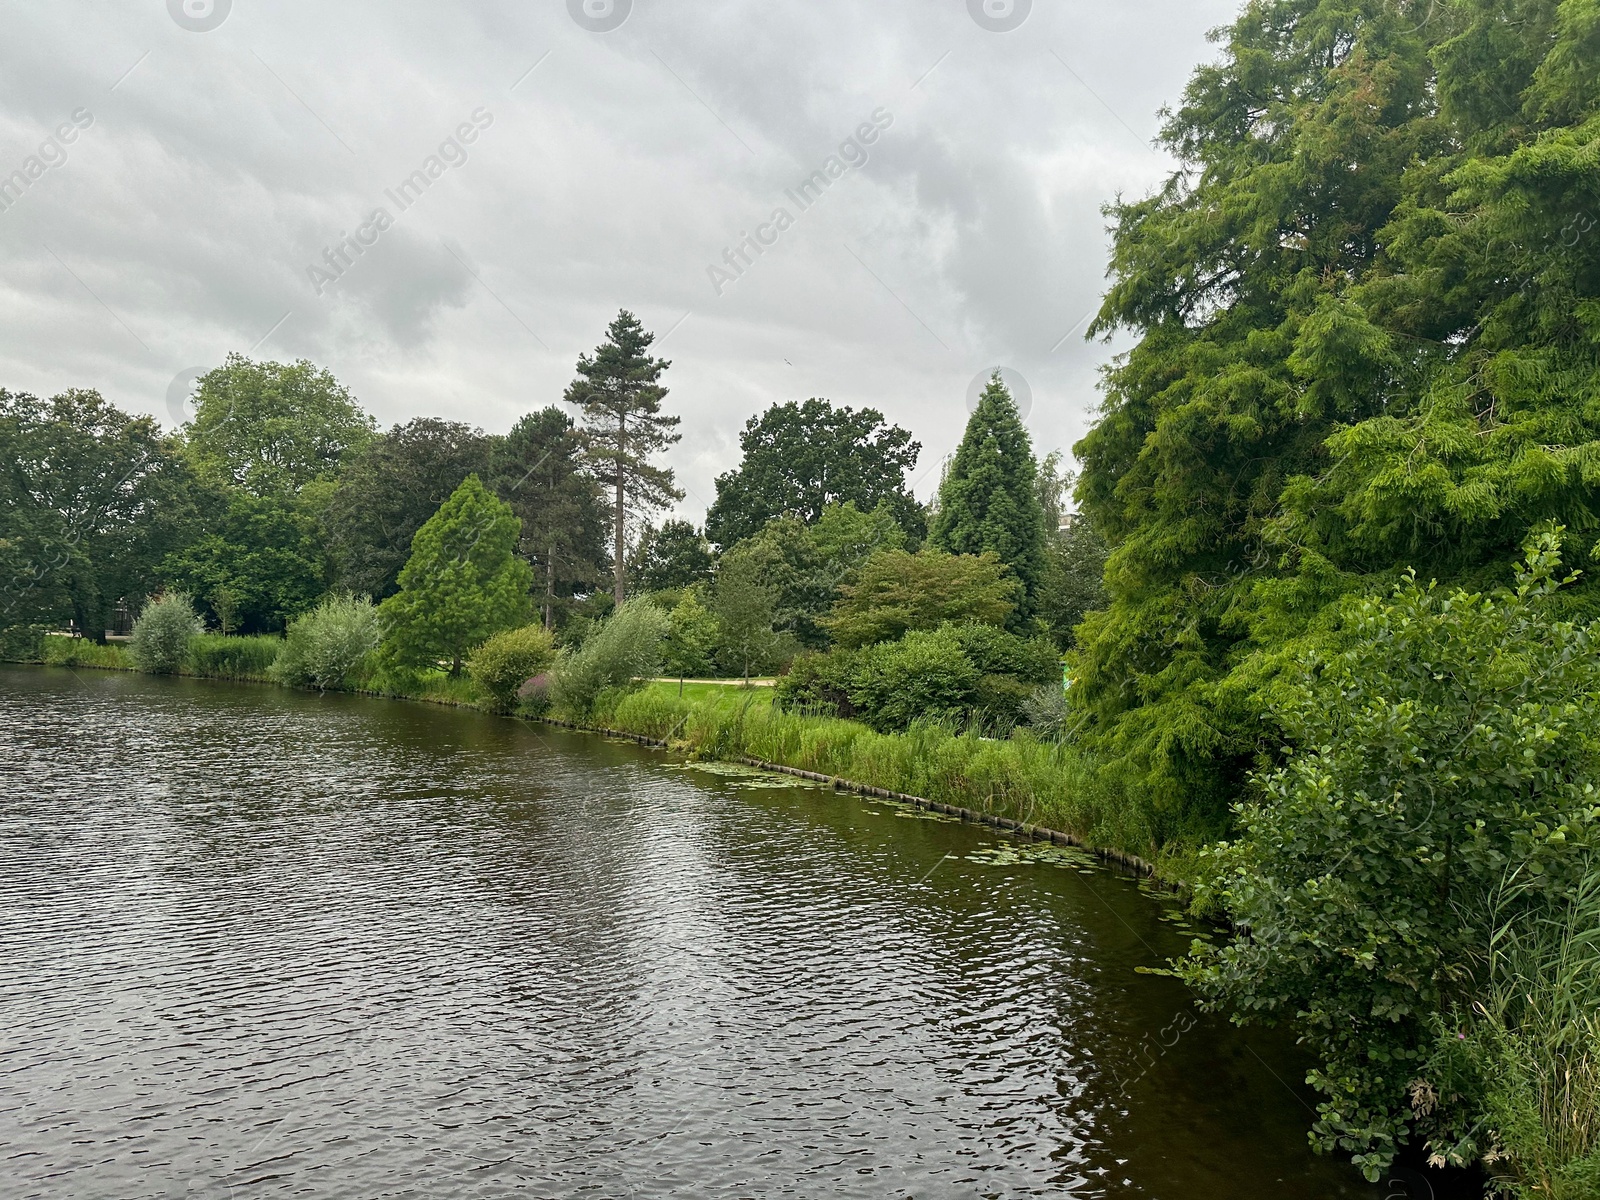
x: 624, y: 649
x: 744, y: 608
x: 538, y: 469
x: 22, y: 643
x: 462, y: 584
x: 675, y: 556
x: 91, y: 499
x: 896, y: 592
x: 272, y: 428
x: 1365, y: 311
x: 784, y: 556
x: 1517, y: 1084
x: 993, y: 651
x: 1021, y: 778
x: 325, y: 647
x: 692, y: 637
x: 801, y: 458
x: 264, y: 553
x: 226, y: 657
x: 845, y: 536
x: 988, y: 500
x: 819, y: 684
x: 507, y: 661
x: 1449, y: 746
x: 164, y: 633
x: 387, y: 489
x: 923, y: 676
x: 619, y: 392
x: 84, y: 652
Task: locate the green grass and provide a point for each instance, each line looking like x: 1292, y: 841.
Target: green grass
x: 214, y: 656
x: 81, y: 652
x: 1043, y: 783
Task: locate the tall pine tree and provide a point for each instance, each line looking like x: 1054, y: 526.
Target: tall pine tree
x: 988, y: 500
x: 619, y: 391
x: 538, y: 469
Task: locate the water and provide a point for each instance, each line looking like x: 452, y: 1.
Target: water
x: 256, y: 943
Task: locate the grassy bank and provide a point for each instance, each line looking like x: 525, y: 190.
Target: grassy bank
x: 1021, y: 778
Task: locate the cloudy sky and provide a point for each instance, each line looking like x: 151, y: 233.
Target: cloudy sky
x: 220, y: 149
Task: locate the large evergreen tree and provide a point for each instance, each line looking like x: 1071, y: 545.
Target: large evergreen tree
x: 539, y: 470
x: 619, y: 392
x: 1366, y: 312
x: 463, y: 583
x: 989, y: 502
x: 800, y: 458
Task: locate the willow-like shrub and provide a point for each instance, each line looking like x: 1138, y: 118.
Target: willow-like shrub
x: 624, y: 649
x: 324, y: 647
x: 164, y: 633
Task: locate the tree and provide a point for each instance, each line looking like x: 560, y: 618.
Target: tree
x: 845, y: 537
x: 674, y: 556
x: 988, y: 502
x: 744, y: 606
x: 91, y: 499
x: 692, y: 637
x: 898, y: 591
x: 800, y: 458
x: 272, y: 428
x: 784, y: 556
x: 260, y: 559
x: 619, y: 392
x: 462, y: 583
x: 1442, y: 804
x: 539, y: 470
x: 387, y: 489
x: 1357, y: 348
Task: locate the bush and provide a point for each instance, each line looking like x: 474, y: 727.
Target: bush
x: 325, y: 646
x: 625, y: 648
x: 22, y: 643
x: 228, y: 657
x: 1045, y: 710
x: 164, y: 634
x: 1450, y: 749
x: 507, y: 661
x: 995, y: 652
x: 819, y: 684
x: 925, y: 675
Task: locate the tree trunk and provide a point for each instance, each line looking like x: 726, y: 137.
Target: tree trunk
x: 617, y: 566
x: 549, y: 588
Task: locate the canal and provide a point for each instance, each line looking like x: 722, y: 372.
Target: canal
x: 264, y: 943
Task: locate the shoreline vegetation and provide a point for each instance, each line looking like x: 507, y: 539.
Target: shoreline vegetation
x: 1019, y: 784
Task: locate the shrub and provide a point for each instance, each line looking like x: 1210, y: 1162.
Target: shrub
x: 625, y: 648
x: 995, y: 652
x: 819, y: 684
x: 925, y: 675
x: 324, y: 647
x: 164, y: 633
x: 230, y: 657
x: 1450, y: 748
x: 22, y: 643
x: 507, y: 661
x: 897, y: 592
x: 1045, y: 710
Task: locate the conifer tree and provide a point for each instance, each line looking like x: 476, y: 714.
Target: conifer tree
x: 463, y: 583
x: 620, y: 394
x: 988, y: 501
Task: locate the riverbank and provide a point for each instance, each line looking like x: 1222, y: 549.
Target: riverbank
x: 1035, y: 788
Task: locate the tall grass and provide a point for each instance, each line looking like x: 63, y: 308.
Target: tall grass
x: 81, y: 652
x: 1527, y: 1055
x: 1043, y: 783
x: 234, y: 657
